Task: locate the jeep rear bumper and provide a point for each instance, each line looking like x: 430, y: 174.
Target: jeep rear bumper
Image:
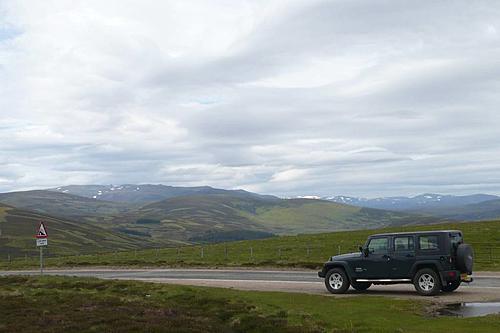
x: 449, y: 276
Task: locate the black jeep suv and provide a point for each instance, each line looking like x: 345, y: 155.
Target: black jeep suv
x: 433, y: 261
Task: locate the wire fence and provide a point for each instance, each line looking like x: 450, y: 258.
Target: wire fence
x: 486, y: 254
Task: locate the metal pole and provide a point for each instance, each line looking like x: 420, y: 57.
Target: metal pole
x: 41, y: 260
x: 251, y: 252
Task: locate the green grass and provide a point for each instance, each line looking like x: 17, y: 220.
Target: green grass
x: 64, y: 304
x: 306, y: 251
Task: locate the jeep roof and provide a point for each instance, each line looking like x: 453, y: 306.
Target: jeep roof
x: 415, y: 233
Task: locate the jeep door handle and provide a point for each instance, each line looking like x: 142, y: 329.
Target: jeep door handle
x: 409, y: 255
x: 385, y: 256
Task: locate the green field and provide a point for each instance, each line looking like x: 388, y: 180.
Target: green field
x: 64, y: 304
x: 306, y: 251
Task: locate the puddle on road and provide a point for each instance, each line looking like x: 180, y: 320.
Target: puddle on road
x: 470, y: 309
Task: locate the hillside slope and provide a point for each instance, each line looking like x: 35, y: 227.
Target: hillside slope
x: 64, y: 205
x: 18, y: 228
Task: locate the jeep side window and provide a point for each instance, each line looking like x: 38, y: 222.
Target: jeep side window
x: 403, y: 244
x: 456, y: 239
x: 378, y: 245
x: 428, y: 242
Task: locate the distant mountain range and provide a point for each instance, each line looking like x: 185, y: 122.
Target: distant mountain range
x: 154, y: 215
x: 414, y: 203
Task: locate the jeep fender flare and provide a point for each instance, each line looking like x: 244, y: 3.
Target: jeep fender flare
x: 433, y: 264
x: 341, y: 264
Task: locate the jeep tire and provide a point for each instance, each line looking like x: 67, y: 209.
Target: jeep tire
x: 451, y: 286
x: 336, y: 281
x: 361, y: 286
x: 427, y: 282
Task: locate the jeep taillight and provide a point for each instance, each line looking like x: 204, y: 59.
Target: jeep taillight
x: 451, y: 260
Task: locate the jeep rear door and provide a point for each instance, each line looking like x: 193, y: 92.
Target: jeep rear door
x: 403, y: 256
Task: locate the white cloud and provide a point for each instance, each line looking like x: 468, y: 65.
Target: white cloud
x: 283, y: 97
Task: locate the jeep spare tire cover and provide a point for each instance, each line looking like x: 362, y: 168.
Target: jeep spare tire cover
x: 465, y: 258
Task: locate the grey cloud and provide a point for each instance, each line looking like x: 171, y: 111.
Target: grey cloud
x: 289, y: 98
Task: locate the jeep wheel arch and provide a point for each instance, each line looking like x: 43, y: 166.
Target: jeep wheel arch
x: 426, y: 264
x: 343, y: 265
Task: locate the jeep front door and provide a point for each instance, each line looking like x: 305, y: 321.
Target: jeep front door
x: 403, y: 257
x: 376, y: 264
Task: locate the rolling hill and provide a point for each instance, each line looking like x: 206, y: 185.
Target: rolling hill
x: 220, y: 215
x: 66, y: 237
x: 205, y: 216
x: 146, y: 193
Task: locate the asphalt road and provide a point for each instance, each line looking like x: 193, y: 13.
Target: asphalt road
x: 486, y: 286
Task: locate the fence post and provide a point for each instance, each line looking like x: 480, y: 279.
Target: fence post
x: 225, y: 251
x: 251, y: 253
x: 339, y: 249
x: 135, y: 254
x: 156, y: 253
x: 202, y: 254
x: 8, y: 257
x: 25, y: 258
x: 178, y: 253
x: 491, y: 253
x: 308, y: 250
x: 279, y: 253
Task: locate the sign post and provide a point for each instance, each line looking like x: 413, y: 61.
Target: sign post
x: 41, y: 241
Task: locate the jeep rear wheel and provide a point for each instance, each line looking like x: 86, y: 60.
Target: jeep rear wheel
x: 427, y: 282
x: 451, y: 286
x: 336, y: 281
x: 361, y: 286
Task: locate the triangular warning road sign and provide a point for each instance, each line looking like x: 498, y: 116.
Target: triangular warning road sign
x: 42, y: 232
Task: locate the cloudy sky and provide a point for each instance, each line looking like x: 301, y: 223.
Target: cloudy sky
x: 351, y: 97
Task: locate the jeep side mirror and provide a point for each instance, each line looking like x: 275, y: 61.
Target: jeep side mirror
x: 360, y: 249
x: 366, y: 251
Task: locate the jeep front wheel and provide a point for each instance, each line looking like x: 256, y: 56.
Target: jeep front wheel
x: 427, y: 282
x: 336, y: 281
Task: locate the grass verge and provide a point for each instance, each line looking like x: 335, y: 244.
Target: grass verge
x: 65, y: 304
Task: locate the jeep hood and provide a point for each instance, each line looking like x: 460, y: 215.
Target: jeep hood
x: 346, y: 256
